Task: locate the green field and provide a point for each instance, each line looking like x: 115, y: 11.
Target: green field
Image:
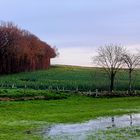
x: 68, y: 78
x: 24, y: 120
x: 19, y: 118
x: 21, y: 94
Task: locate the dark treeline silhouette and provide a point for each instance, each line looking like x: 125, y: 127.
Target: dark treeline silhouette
x: 22, y: 51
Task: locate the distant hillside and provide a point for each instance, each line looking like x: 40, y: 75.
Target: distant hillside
x: 68, y: 78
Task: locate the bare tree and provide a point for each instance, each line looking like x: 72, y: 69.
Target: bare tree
x: 132, y: 61
x: 110, y: 59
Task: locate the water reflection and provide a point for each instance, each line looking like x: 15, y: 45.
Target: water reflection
x: 78, y: 129
x: 113, y: 121
x: 131, y: 120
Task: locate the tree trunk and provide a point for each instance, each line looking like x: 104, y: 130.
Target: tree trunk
x: 130, y: 81
x: 112, y: 77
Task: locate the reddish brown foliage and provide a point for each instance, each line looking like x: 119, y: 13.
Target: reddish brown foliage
x: 22, y: 51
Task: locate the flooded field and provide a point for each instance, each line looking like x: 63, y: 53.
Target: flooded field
x: 115, y: 127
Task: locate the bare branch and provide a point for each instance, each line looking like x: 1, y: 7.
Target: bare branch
x: 110, y: 59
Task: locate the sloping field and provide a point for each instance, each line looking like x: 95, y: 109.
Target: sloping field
x: 68, y: 78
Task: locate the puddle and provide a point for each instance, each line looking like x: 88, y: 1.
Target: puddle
x: 80, y: 131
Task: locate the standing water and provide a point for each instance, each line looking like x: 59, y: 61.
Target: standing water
x: 83, y: 131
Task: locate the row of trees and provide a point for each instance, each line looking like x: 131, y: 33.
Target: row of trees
x: 114, y: 58
x: 22, y: 51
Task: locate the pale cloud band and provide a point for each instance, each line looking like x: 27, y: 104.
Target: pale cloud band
x: 82, y: 56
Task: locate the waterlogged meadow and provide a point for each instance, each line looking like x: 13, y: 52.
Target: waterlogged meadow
x: 128, y: 133
x: 28, y: 119
x: 116, y: 127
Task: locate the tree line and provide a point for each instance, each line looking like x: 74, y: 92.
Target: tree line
x: 113, y: 58
x: 21, y: 50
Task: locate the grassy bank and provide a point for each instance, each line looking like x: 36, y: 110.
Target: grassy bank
x: 67, y: 78
x: 21, y: 120
x: 30, y: 94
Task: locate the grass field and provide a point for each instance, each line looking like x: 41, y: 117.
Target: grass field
x: 24, y: 94
x: 68, y: 78
x: 23, y: 120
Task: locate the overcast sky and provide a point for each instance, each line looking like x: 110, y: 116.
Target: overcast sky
x: 77, y: 27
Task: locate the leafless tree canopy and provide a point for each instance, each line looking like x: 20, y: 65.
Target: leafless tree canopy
x: 110, y: 58
x: 132, y: 61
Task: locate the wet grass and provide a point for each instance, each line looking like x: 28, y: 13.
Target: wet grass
x: 23, y: 119
x: 128, y: 133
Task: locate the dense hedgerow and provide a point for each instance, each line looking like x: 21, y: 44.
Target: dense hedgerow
x: 22, y: 51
